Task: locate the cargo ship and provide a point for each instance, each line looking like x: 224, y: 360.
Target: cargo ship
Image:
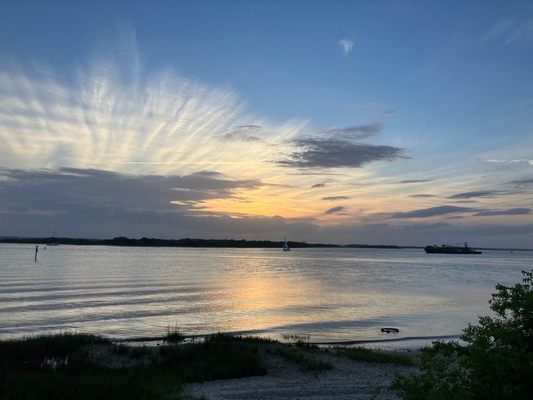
x: 451, y: 249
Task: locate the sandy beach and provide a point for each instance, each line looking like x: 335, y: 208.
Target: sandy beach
x: 347, y: 379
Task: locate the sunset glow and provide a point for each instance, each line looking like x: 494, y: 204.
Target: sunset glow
x: 372, y: 166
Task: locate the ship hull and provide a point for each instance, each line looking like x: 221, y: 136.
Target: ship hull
x: 450, y: 250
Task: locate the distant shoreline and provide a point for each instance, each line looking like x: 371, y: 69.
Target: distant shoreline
x: 123, y: 241
x: 187, y: 242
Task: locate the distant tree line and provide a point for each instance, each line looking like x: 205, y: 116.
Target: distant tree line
x: 187, y: 242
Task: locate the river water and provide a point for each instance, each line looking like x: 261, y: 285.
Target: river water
x: 326, y: 294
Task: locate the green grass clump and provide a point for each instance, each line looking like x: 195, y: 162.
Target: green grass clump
x: 174, y: 336
x: 29, y: 353
x: 218, y: 357
x: 374, y: 356
x: 301, y: 341
x: 303, y: 360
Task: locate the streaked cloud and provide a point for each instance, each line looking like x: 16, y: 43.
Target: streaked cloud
x: 510, y: 211
x: 335, y: 198
x: 333, y: 153
x: 68, y: 189
x: 366, y: 105
x: 414, y: 181
x: 334, y: 210
x: 469, y: 201
x: 509, y: 31
x: 356, y: 132
x: 480, y: 193
x: 511, y: 161
x: 95, y: 203
x: 112, y: 149
x: 497, y: 30
x: 447, y: 210
x: 523, y: 182
x: 346, y: 46
x: 244, y: 133
x: 523, y: 31
x: 115, y: 116
x: 432, y: 212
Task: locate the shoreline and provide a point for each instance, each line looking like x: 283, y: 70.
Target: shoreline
x: 216, y: 368
x: 214, y: 243
x: 188, y: 243
x: 148, y: 339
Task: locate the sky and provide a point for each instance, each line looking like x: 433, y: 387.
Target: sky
x: 381, y: 122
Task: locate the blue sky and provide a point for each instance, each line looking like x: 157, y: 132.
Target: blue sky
x: 446, y: 86
x: 283, y: 57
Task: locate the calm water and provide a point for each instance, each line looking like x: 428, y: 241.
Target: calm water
x: 328, y: 294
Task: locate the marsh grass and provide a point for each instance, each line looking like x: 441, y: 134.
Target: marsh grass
x: 174, y: 336
x: 302, y: 341
x: 30, y: 353
x: 218, y: 357
x: 303, y: 360
x: 79, y: 371
x: 374, y: 356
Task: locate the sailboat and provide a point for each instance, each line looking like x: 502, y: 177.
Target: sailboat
x: 286, y: 245
x: 53, y: 242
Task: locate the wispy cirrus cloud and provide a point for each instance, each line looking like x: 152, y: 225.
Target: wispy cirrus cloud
x: 508, y: 31
x: 115, y: 116
x: 510, y: 161
x: 346, y: 46
x: 498, y: 29
x: 356, y: 131
x: 374, y: 107
x: 244, y: 133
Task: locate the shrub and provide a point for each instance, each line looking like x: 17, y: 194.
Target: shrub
x: 495, y: 363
